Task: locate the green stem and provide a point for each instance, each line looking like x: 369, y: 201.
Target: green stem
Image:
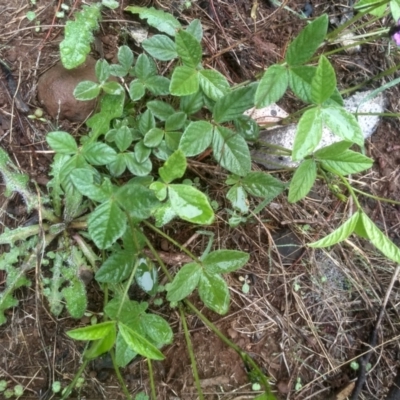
x: 191, y: 353
x: 152, y: 385
x: 377, y: 198
x: 71, y: 386
x: 157, y: 257
x: 119, y: 376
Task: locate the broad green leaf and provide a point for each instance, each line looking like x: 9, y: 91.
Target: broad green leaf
x: 308, y: 133
x: 195, y: 29
x: 116, y: 268
x: 144, y: 68
x: 300, y: 79
x: 62, y: 142
x: 347, y: 162
x: 86, y: 90
x: 160, y: 47
x: 113, y: 88
x: 333, y: 149
x: 174, y: 167
x: 146, y: 122
x: 307, y: 42
x: 126, y: 312
x: 192, y: 103
x: 233, y: 104
x: 162, y: 21
x: 374, y: 10
x: 158, y: 85
x: 188, y: 49
x: 102, y: 345
x: 164, y: 214
x: 123, y: 138
x: 136, y: 90
x: 272, y: 86
x: 153, y: 137
x: 123, y: 353
x: 102, y: 70
x: 125, y: 57
x: 139, y: 344
x: 118, y: 166
x: 142, y: 152
x: 324, y: 81
x: 92, y: 332
x: 262, y: 184
x: 190, y: 204
x: 160, y: 190
x: 231, y: 151
x: 185, y: 281
x: 238, y: 198
x: 137, y: 200
x: 214, y: 292
x: 342, y: 124
x: 223, y: 261
x: 160, y: 109
x: 184, y: 81
x: 247, y: 127
x: 75, y: 298
x: 213, y: 84
x: 82, y: 178
x: 302, y: 181
x: 175, y: 122
x: 157, y: 329
x: 339, y: 234
x: 106, y: 224
x: 98, y: 153
x: 196, y: 138
x: 137, y: 168
x: 379, y: 240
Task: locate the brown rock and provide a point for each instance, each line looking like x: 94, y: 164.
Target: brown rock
x: 55, y: 91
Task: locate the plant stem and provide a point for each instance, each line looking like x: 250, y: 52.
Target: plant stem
x: 69, y: 388
x: 191, y: 353
x: 152, y: 385
x: 119, y: 376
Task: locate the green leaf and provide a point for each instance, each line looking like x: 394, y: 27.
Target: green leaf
x: 144, y: 68
x: 308, y: 133
x: 75, y: 298
x: 92, y: 332
x: 231, y: 151
x: 174, y: 167
x: 101, y: 346
x: 300, y: 79
x: 102, y: 70
x: 342, y: 124
x: 157, y: 329
x: 86, y: 90
x: 196, y: 138
x: 160, y: 109
x: 347, y: 162
x: 340, y: 234
x: 146, y: 122
x: 184, y: 81
x: 136, y: 90
x: 153, y: 137
x: 324, y: 81
x: 214, y: 293
x: 137, y: 168
x: 372, y: 4
x: 158, y: 85
x: 125, y: 57
x: 379, y: 240
x: 160, y: 190
x: 146, y: 276
x: 142, y: 152
x: 302, y: 181
x: 118, y: 166
x: 195, y: 29
x: 138, y: 200
x: 185, y: 281
x: 262, y: 184
x: 160, y: 47
x: 123, y: 353
x: 188, y: 49
x: 190, y: 204
x: 98, y: 153
x: 247, y: 127
x: 83, y: 180
x: 106, y: 224
x: 62, y: 142
x: 272, y: 86
x: 176, y: 121
x: 113, y: 88
x: 233, y: 104
x: 213, y: 84
x: 164, y: 214
x: 333, y: 149
x: 238, y: 198
x: 139, y: 344
x: 162, y: 21
x: 223, y: 261
x: 192, y: 103
x: 116, y: 268
x: 123, y: 138
x: 307, y: 42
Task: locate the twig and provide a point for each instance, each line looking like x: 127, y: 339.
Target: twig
x: 363, y: 361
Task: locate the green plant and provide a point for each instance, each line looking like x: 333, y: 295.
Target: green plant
x: 130, y: 170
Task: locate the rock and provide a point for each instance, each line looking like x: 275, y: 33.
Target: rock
x: 55, y: 91
x: 284, y: 136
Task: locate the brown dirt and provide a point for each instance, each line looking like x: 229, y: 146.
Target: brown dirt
x: 304, y: 319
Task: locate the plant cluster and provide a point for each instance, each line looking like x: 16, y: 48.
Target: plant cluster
x: 129, y: 172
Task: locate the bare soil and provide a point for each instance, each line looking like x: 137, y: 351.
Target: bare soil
x: 307, y: 315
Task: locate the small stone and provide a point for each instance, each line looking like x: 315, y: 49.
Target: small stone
x: 55, y: 91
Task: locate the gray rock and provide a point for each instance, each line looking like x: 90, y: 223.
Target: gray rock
x: 284, y: 136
